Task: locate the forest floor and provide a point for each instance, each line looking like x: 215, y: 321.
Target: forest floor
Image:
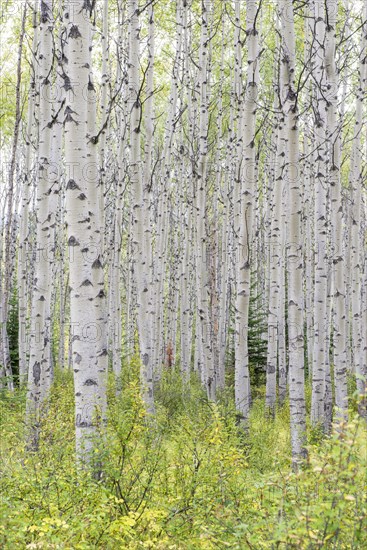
x: 189, y: 480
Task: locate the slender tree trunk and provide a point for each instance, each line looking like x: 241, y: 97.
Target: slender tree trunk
x: 85, y: 266
x: 247, y: 198
x: 321, y: 230
x: 356, y: 234
x: 140, y: 240
x: 40, y: 370
x: 295, y: 267
x: 5, y: 364
x: 339, y: 288
x: 23, y: 247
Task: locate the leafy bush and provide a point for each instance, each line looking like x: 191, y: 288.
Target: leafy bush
x: 187, y: 480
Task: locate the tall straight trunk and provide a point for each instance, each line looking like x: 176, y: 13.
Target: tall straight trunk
x: 23, y: 247
x: 185, y: 298
x: 321, y: 230
x: 148, y: 169
x: 158, y: 299
x: 309, y: 252
x: 140, y: 240
x: 247, y: 197
x: 220, y: 268
x: 85, y: 265
x: 104, y: 117
x: 309, y: 196
x: 5, y: 363
x: 294, y: 256
x: 187, y: 216
x: 356, y: 234
x: 98, y: 255
x: 115, y: 290
x: 202, y: 278
x: 276, y: 279
x: 339, y: 287
x: 40, y: 371
x: 55, y: 235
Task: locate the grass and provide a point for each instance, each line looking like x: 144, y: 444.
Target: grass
x: 188, y: 480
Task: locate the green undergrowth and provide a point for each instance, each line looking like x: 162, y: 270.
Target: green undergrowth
x: 187, y: 480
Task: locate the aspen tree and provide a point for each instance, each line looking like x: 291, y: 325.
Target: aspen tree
x: 84, y: 260
x: 23, y: 247
x: 148, y: 167
x: 308, y: 193
x: 321, y: 230
x: 276, y: 281
x: 163, y: 190
x: 294, y: 256
x: 115, y: 275
x: 5, y: 361
x: 356, y: 231
x: 140, y: 240
x: 202, y: 279
x: 339, y: 289
x: 247, y: 197
x: 187, y: 215
x: 55, y: 175
x: 40, y: 369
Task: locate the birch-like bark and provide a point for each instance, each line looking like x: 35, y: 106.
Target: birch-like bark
x: 356, y: 233
x: 5, y: 363
x: 140, y: 240
x: 247, y: 197
x: 23, y: 246
x: 163, y: 191
x: 85, y: 265
x: 276, y: 278
x: 202, y: 276
x: 338, y: 285
x: 294, y: 245
x: 321, y: 231
x: 39, y: 373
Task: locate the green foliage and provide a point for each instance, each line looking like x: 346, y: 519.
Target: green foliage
x: 257, y: 345
x: 185, y: 480
x: 12, y: 329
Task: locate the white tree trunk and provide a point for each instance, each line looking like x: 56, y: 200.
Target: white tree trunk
x: 337, y: 245
x: 294, y: 245
x: 247, y: 201
x: 140, y: 240
x: 85, y: 265
x: 40, y: 373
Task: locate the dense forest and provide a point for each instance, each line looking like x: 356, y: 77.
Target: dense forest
x: 183, y: 274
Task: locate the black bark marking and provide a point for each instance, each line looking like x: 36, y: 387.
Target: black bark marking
x: 36, y: 372
x: 67, y: 83
x: 90, y: 382
x: 96, y: 264
x: 72, y: 185
x: 82, y: 423
x: 45, y: 17
x: 74, y: 32
x: 73, y: 241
